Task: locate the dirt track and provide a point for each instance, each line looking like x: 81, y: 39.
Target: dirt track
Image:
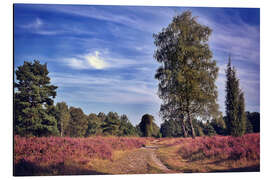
x: 139, y: 161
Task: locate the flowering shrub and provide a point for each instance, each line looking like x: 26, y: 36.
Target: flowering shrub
x: 57, y: 150
x: 221, y: 147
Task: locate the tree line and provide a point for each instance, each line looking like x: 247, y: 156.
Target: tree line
x: 35, y: 113
x: 186, y: 76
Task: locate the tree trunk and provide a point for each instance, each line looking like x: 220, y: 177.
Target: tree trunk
x: 184, y: 128
x: 61, y: 129
x: 183, y: 125
x: 191, y: 125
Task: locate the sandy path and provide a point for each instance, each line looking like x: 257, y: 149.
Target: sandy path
x: 139, y: 162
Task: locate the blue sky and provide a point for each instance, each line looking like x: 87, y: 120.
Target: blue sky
x: 101, y: 57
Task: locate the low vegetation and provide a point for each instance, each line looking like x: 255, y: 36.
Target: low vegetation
x: 94, y: 155
x: 45, y: 152
x: 208, y: 154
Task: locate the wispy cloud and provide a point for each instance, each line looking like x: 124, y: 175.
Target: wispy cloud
x: 102, y: 59
x: 87, y: 61
x: 37, y: 23
x: 131, y: 16
x: 108, y: 89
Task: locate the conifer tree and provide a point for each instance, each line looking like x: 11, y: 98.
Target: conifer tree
x: 111, y: 124
x: 78, y: 123
x: 241, y: 114
x: 94, y: 125
x: 187, y: 73
x: 33, y: 95
x: 235, y: 103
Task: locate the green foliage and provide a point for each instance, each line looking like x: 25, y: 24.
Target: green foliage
x: 235, y: 103
x: 219, y: 126
x: 126, y: 128
x: 242, y: 114
x: 208, y: 129
x: 62, y: 116
x: 187, y: 74
x: 33, y: 95
x: 171, y: 128
x: 249, y: 127
x: 94, y: 125
x: 101, y: 116
x: 138, y: 130
x: 78, y: 123
x: 155, y: 130
x: 146, y: 125
x: 254, y: 119
x: 111, y: 124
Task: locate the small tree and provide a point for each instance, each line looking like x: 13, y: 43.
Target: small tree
x: 242, y: 114
x: 111, y: 124
x: 146, y: 125
x: 235, y: 103
x: 254, y: 119
x: 33, y: 94
x: 126, y: 128
x: 208, y: 129
x: 62, y: 117
x: 94, y: 125
x: 171, y: 128
x: 78, y: 123
x: 249, y: 127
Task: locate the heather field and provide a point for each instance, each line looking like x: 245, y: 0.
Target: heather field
x: 132, y: 155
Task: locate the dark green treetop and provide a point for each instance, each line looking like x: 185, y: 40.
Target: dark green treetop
x: 235, y: 103
x: 111, y: 124
x: 33, y: 94
x: 78, y: 123
x: 94, y: 125
x: 126, y: 128
x: 146, y: 125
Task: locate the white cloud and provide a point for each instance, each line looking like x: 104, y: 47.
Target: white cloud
x: 87, y: 61
x: 76, y: 63
x: 104, y: 59
x: 95, y: 61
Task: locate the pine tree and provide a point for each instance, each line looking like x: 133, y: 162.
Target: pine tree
x: 33, y: 95
x: 111, y: 124
x: 187, y: 73
x: 78, y: 123
x: 94, y: 125
x: 235, y: 103
x: 125, y: 127
x: 241, y: 114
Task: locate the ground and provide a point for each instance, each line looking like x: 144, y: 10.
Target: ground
x: 125, y: 156
x: 159, y: 157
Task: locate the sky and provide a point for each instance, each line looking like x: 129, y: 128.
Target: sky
x: 101, y: 57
